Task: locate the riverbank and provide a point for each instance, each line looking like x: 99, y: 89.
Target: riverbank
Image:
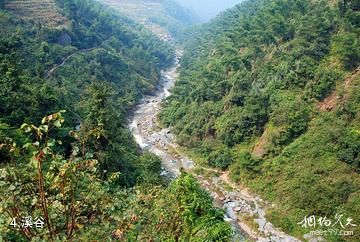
x: 245, y: 211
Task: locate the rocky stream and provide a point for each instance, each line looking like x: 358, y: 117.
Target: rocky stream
x: 238, y: 203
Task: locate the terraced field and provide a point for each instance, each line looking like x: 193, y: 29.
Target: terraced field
x: 43, y: 11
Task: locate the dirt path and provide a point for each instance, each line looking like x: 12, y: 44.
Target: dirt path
x: 54, y: 68
x: 329, y: 103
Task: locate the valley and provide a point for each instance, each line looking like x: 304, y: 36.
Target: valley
x: 238, y: 203
x: 131, y: 120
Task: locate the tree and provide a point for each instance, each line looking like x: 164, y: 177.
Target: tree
x: 346, y: 48
x: 55, y: 186
x: 220, y: 158
x: 198, y: 218
x: 349, y: 149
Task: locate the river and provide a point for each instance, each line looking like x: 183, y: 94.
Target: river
x: 237, y: 203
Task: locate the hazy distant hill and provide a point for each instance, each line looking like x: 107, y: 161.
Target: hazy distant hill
x: 207, y: 9
x: 160, y: 16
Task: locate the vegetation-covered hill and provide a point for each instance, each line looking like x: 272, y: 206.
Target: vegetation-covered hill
x: 161, y: 16
x: 96, y: 69
x: 79, y: 172
x: 250, y: 99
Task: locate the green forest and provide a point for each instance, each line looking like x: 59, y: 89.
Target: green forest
x: 66, y: 89
x: 269, y: 91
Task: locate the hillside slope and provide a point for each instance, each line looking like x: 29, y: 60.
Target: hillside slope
x: 69, y: 168
x: 246, y: 101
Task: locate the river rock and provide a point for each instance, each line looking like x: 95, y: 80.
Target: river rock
x: 261, y: 223
x: 261, y: 212
x: 275, y: 239
x: 269, y: 226
x: 237, y: 209
x: 232, y: 195
x: 263, y: 240
x: 226, y: 200
x: 310, y: 238
x: 231, y: 204
x: 230, y: 213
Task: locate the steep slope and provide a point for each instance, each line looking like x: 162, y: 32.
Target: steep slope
x: 246, y: 99
x: 96, y: 68
x: 78, y: 175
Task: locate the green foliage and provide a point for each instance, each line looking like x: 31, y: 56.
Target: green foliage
x: 291, y: 114
x: 324, y: 82
x: 149, y: 167
x: 245, y: 166
x: 308, y: 178
x: 97, y: 69
x: 237, y: 68
x: 220, y: 158
x: 285, y: 223
x: 77, y: 203
x: 263, y: 67
x: 95, y: 23
x: 52, y: 186
x: 349, y: 148
x: 346, y: 48
x: 240, y: 123
x: 88, y: 183
x: 181, y: 212
x: 200, y: 221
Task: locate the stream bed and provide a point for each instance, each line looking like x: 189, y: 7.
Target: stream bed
x: 237, y: 203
